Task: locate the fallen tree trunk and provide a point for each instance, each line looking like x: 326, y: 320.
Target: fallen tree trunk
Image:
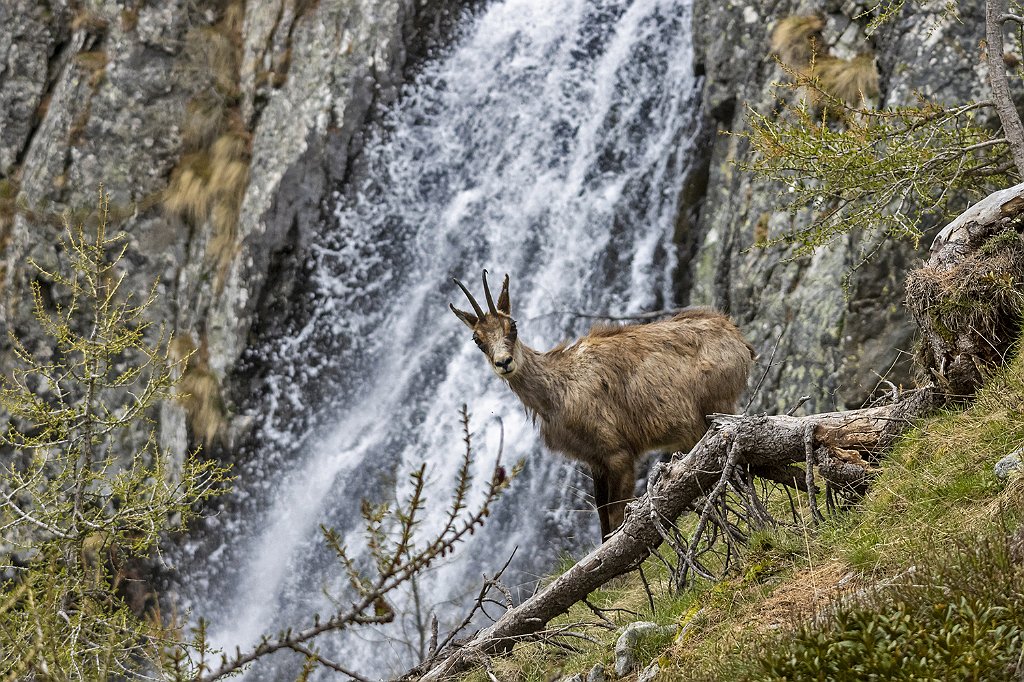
x: 769, y: 442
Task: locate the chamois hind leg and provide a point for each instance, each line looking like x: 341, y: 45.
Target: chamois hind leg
x: 621, y: 481
x: 601, y: 499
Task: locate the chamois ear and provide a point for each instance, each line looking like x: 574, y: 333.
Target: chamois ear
x: 468, y: 319
x: 503, y: 304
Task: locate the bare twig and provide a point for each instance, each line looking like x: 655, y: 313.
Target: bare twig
x: 478, y: 604
x: 647, y: 588
x: 437, y: 649
x: 327, y: 663
x: 799, y: 403
x: 764, y: 374
x: 764, y: 516
x: 600, y: 612
x: 432, y: 647
x: 690, y: 559
x: 25, y: 516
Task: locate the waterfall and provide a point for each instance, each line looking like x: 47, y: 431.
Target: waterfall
x: 549, y: 143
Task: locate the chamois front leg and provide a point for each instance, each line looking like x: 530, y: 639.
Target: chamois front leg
x: 621, y: 482
x: 613, y: 487
x: 601, y: 499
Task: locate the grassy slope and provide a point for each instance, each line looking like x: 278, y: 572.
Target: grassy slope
x: 936, y: 500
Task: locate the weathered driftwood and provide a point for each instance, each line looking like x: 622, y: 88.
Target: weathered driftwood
x: 768, y: 443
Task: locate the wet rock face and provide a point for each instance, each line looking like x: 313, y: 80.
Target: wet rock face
x: 274, y: 96
x: 26, y: 46
x: 218, y: 128
x: 88, y: 96
x: 816, y: 334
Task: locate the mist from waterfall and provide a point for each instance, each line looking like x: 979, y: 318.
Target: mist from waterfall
x: 549, y: 143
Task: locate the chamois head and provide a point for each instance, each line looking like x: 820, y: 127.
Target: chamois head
x: 494, y: 332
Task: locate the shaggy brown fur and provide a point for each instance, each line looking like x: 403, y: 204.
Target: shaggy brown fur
x: 619, y: 392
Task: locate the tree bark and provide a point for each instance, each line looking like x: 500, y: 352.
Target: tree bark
x: 1008, y: 116
x: 771, y: 443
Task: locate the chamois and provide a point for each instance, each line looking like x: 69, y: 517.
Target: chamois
x: 620, y: 391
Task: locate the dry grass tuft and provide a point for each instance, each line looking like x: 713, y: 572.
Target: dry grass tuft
x: 233, y: 20
x: 209, y: 183
x: 209, y: 186
x: 8, y: 193
x: 198, y: 391
x: 229, y: 177
x: 93, y: 60
x: 9, y: 189
x: 129, y: 18
x: 76, y: 131
x: 797, y: 41
x: 188, y: 194
x: 95, y: 63
x: 215, y: 54
x: 810, y: 590
x: 852, y: 81
x: 975, y: 306
x: 223, y: 245
x: 89, y: 21
x: 205, y: 120
x: 829, y: 81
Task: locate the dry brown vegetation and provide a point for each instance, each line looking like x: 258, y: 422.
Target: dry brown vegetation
x: 209, y: 182
x: 89, y: 20
x: 853, y: 81
x: 974, y: 305
x: 215, y: 54
x: 198, y: 390
x: 95, y: 63
x: 8, y: 208
x: 797, y: 41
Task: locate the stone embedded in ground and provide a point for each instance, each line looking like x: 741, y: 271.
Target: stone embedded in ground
x: 1008, y: 466
x: 625, y: 647
x: 649, y: 673
x: 597, y: 674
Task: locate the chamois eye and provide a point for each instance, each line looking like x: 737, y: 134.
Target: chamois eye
x: 512, y: 331
x: 478, y: 341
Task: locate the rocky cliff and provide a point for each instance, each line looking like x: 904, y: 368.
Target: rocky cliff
x: 816, y: 337
x: 221, y: 127
x: 218, y: 128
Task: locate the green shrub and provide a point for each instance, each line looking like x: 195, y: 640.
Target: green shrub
x: 86, y: 490
x: 959, y: 619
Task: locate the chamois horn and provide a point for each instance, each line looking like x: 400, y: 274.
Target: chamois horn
x: 503, y: 303
x: 487, y: 293
x: 472, y: 301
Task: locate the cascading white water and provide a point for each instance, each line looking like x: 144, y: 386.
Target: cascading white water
x: 551, y: 144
